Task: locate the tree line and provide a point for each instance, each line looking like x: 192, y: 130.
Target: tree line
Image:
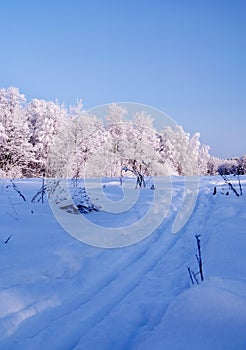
x: 44, y: 138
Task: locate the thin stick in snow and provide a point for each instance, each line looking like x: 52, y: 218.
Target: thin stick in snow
x: 6, y: 241
x: 240, y: 186
x: 190, y: 274
x: 231, y: 187
x: 17, y: 190
x: 199, y: 256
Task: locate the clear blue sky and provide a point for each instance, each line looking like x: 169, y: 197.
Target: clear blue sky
x: 187, y: 58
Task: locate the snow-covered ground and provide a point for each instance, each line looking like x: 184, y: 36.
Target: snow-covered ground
x: 59, y: 293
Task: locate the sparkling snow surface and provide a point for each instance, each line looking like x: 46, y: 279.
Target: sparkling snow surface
x: 58, y: 293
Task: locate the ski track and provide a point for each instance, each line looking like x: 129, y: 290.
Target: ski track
x: 188, y: 232
x: 152, y: 254
x: 154, y: 260
x: 113, y: 278
x: 160, y: 261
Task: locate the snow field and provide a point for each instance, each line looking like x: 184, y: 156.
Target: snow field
x: 59, y: 293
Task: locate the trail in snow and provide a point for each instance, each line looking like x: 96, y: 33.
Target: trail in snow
x: 164, y: 277
x: 213, y: 314
x: 62, y: 294
x: 119, y: 276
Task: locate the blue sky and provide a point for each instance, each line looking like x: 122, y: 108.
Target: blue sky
x: 186, y: 58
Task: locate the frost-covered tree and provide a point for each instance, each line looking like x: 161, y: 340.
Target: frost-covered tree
x: 194, y: 153
x: 76, y: 146
x: 175, y: 149
x: 228, y: 166
x: 3, y: 136
x: 236, y: 166
x: 203, y: 160
x: 16, y: 152
x: 199, y: 156
x: 142, y: 151
x: 242, y: 165
x: 181, y: 153
x: 45, y: 120
x: 115, y: 139
x: 85, y: 137
x: 213, y: 165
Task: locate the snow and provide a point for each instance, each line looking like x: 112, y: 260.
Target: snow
x: 59, y: 293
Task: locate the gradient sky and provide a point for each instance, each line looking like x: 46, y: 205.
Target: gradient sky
x: 186, y: 58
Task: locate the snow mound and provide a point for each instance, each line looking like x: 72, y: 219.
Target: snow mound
x: 210, y: 316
